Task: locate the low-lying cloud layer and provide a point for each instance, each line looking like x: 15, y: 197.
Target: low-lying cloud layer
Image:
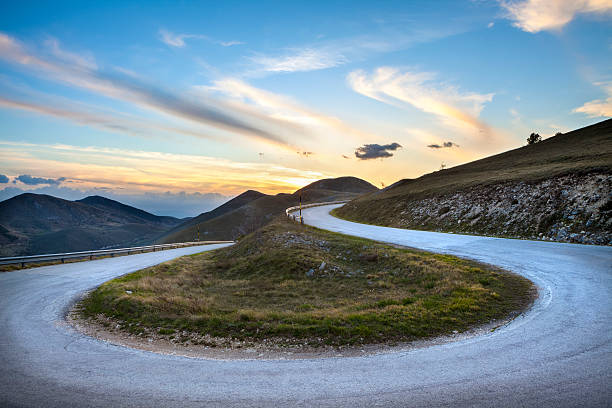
x: 376, y: 151
x: 34, y: 181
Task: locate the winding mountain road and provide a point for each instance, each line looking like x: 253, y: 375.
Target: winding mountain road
x: 558, y: 354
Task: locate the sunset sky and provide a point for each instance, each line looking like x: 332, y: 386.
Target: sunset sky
x: 176, y: 106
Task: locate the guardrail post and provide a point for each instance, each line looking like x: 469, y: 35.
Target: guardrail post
x: 62, y: 260
x: 23, y: 264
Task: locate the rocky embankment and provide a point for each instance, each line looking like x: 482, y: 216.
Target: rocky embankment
x: 567, y: 209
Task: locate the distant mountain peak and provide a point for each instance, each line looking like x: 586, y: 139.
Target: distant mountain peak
x: 346, y: 184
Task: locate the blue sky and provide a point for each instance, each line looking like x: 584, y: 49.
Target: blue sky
x: 167, y: 100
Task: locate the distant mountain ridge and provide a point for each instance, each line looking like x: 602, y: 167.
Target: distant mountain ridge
x: 112, y: 205
x: 229, y: 206
x: 37, y: 223
x: 251, y: 210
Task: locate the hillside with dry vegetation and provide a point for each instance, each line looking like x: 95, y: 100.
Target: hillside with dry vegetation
x: 559, y: 189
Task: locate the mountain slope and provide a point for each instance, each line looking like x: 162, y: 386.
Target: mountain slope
x: 37, y: 223
x: 557, y: 189
x: 256, y: 213
x: 229, y: 206
x: 126, y: 210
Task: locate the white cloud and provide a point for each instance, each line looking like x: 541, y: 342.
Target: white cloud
x: 420, y: 90
x: 337, y: 52
x: 178, y: 40
x: 598, y: 107
x: 174, y: 40
x: 490, y: 25
x: 306, y: 59
x: 539, y: 15
x: 230, y: 43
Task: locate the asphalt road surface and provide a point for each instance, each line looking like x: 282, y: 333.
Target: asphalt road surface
x: 558, y: 354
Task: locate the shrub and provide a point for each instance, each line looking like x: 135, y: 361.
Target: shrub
x: 534, y: 138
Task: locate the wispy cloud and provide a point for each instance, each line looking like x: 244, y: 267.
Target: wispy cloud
x: 337, y: 52
x: 178, y: 40
x: 104, y: 120
x: 599, y: 107
x: 174, y: 40
x: 230, y: 43
x: 283, y: 108
x: 295, y: 60
x: 86, y: 62
x: 539, y: 15
x: 128, y: 88
x: 422, y: 91
x: 376, y: 151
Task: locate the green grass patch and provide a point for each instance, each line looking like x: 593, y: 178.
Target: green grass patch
x: 298, y: 284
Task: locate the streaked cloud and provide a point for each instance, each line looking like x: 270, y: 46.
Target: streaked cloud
x: 599, y: 107
x: 296, y: 60
x: 103, y: 120
x: 283, y: 108
x: 421, y: 90
x: 540, y: 15
x: 178, y: 40
x: 337, y: 52
x: 174, y: 40
x: 230, y: 43
x: 376, y: 151
x: 83, y: 61
x: 128, y: 88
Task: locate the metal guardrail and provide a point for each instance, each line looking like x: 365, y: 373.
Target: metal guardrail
x: 103, y: 252
x: 289, y: 210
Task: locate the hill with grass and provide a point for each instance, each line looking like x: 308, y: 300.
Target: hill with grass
x: 251, y: 210
x: 291, y: 285
x: 558, y: 189
x: 37, y: 223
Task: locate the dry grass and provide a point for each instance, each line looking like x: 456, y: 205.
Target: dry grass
x: 271, y: 285
x: 583, y: 151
